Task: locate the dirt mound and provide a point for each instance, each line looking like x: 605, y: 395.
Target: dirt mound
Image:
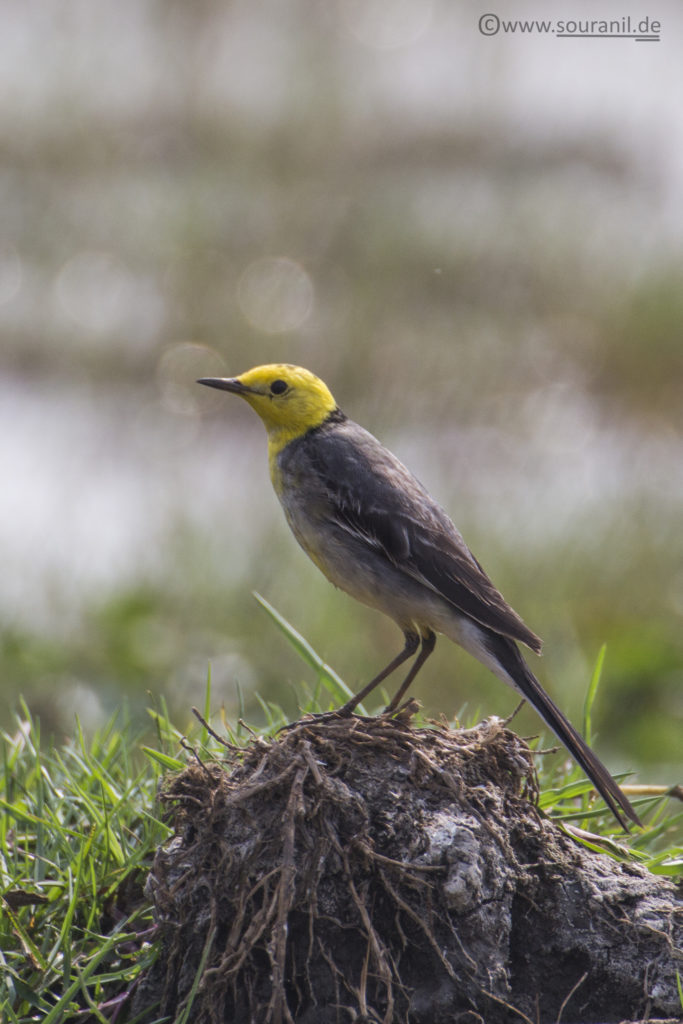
x: 362, y: 870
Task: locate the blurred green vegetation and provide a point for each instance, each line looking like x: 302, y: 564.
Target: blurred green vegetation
x: 159, y: 639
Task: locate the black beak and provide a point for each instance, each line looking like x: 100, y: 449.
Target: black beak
x: 225, y: 384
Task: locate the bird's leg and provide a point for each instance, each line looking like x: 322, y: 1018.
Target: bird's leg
x: 411, y: 645
x: 428, y: 644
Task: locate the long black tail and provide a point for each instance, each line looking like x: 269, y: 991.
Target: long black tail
x: 507, y: 654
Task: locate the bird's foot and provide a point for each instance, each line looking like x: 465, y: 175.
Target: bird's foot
x: 403, y: 713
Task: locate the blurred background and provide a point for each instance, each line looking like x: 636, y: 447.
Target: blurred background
x: 475, y: 240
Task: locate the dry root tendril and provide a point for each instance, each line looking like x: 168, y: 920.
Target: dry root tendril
x: 335, y: 874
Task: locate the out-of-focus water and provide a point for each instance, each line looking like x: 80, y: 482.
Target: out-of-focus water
x: 96, y: 483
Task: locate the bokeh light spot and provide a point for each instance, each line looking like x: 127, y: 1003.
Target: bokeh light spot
x: 98, y: 292
x: 275, y: 294
x: 177, y: 371
x: 386, y: 24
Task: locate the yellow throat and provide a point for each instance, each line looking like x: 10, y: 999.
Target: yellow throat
x: 289, y: 399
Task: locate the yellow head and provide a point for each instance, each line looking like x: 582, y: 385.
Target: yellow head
x: 289, y: 399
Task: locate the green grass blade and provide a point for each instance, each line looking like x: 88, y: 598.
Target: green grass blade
x: 334, y: 683
x: 591, y: 695
x: 169, y: 764
x: 184, y: 1017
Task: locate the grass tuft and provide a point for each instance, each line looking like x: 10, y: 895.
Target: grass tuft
x: 77, y: 835
x: 79, y: 827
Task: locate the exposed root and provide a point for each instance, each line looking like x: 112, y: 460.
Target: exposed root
x: 360, y: 870
x: 280, y: 855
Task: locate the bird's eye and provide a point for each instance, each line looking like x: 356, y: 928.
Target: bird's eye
x: 278, y: 387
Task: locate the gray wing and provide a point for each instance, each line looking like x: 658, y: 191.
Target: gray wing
x: 372, y: 496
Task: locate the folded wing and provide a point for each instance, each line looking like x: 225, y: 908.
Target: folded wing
x: 376, y: 499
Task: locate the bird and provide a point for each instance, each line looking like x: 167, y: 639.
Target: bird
x: 375, y: 532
